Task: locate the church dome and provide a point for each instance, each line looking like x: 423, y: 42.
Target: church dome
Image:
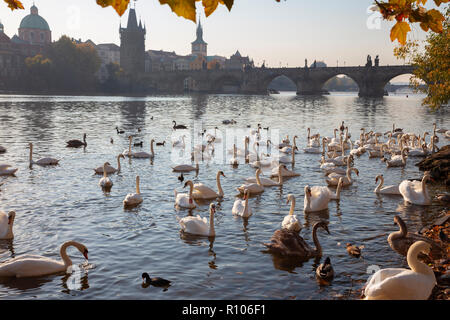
x: 34, y: 21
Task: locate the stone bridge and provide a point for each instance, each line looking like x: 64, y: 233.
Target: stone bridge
x: 309, y: 81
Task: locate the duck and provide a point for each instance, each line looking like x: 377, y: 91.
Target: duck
x: 354, y: 250
x: 316, y: 198
x: 138, y: 144
x: 386, y: 190
x: 269, y: 182
x: 7, y: 170
x: 128, y: 153
x: 111, y: 140
x: 416, y: 192
x: 241, y: 207
x: 255, y: 188
x: 109, y: 168
x: 203, y: 192
x: 179, y: 126
x: 289, y: 243
x: 415, y: 283
x: 133, y: 199
x: 2, y: 149
x: 161, y: 143
x: 291, y: 222
x: 199, y: 226
x: 6, y: 225
x: 401, y: 240
x: 325, y: 271
x: 42, y: 162
x: 105, y: 182
x: 119, y: 131
x: 181, y: 177
x: 35, y: 266
x: 77, y: 143
x: 145, y: 155
x: 185, y: 200
x: 156, y: 281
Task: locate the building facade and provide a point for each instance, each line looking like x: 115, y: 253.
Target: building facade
x: 108, y: 53
x: 132, y: 45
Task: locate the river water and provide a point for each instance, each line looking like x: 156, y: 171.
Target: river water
x: 56, y: 204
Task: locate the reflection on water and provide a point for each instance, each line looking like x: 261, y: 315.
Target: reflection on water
x: 64, y: 202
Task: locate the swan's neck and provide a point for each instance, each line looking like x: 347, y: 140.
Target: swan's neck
x: 424, y: 187
x: 380, y: 185
x: 151, y: 148
x: 138, y: 190
x: 308, y: 201
x: 246, y: 205
x: 65, y: 258
x: 31, y: 154
x: 316, y: 241
x: 211, y: 224
x: 291, y: 212
x: 280, y: 176
x: 104, y: 171
x: 415, y: 264
x: 118, y: 163
x: 129, y: 146
x: 258, y: 181
x: 219, y: 186
x: 338, y: 190
x: 309, y: 132
x: 403, y: 230
x: 191, y: 190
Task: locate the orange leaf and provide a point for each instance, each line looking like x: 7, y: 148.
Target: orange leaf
x: 400, y: 31
x: 14, y: 4
x: 119, y: 5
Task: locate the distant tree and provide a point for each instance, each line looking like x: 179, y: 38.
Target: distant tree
x: 38, y: 71
x: 112, y: 83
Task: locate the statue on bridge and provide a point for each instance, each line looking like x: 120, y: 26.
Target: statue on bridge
x: 369, y: 61
x: 377, y: 61
x: 306, y: 63
x: 315, y: 64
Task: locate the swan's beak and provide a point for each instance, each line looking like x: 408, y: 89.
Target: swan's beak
x: 85, y: 254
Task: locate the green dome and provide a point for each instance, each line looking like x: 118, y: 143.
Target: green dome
x: 34, y: 21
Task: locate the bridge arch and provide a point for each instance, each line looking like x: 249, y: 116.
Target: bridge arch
x: 227, y: 84
x: 340, y: 82
x: 267, y: 80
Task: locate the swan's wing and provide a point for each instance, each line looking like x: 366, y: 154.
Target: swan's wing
x: 238, y: 207
x: 397, y: 283
x: 194, y: 225
x: 30, y: 265
x: 410, y: 190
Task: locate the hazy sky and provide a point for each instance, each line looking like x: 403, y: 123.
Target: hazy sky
x: 285, y: 32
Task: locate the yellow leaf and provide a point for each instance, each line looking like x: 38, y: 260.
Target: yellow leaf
x: 14, y: 4
x: 119, y: 5
x: 183, y: 8
x: 400, y: 31
x: 210, y: 6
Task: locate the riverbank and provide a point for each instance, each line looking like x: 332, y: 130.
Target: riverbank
x: 438, y: 164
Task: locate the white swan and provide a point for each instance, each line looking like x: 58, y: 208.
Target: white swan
x: 206, y: 193
x: 145, y: 155
x: 347, y: 180
x: 316, y: 198
x: 128, y: 153
x: 337, y: 195
x: 43, y: 161
x: 288, y: 149
x: 109, y: 168
x: 7, y: 170
x: 398, y: 161
x: 186, y: 167
x: 269, y: 182
x: 291, y: 222
x: 387, y: 189
x: 241, y: 207
x: 34, y: 266
x: 287, y: 159
x: 133, y: 199
x: 416, y: 283
x: 255, y: 188
x: 415, y: 192
x: 6, y: 225
x: 185, y: 200
x: 105, y: 182
x: 234, y: 161
x: 179, y: 143
x: 285, y: 172
x: 199, y: 226
x: 329, y: 170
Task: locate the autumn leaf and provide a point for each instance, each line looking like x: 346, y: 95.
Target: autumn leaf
x: 183, y: 8
x: 211, y: 5
x: 119, y: 5
x: 14, y: 4
x: 399, y: 32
